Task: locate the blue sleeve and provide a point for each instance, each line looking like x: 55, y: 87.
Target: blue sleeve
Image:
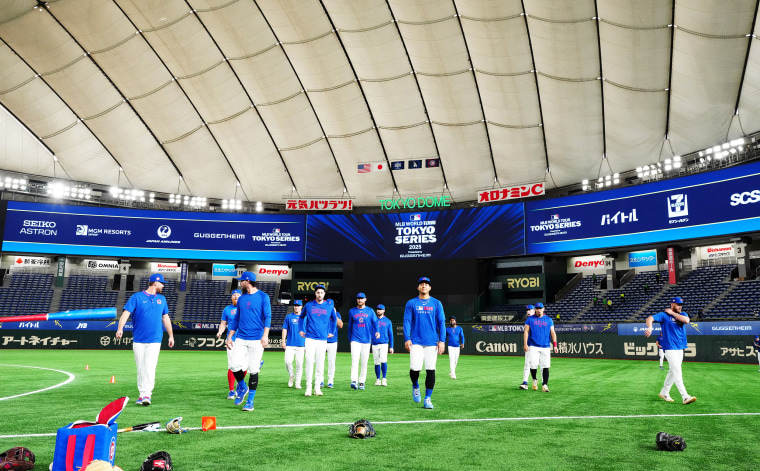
x: 374, y: 325
x: 659, y: 317
x: 285, y: 322
x: 305, y: 322
x: 390, y: 333
x: 441, y: 321
x: 131, y: 304
x: 267, y: 310
x: 350, y: 327
x: 461, y: 336
x: 166, y: 307
x: 408, y: 314
x: 232, y: 325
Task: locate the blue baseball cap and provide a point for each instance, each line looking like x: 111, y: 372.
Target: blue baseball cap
x: 157, y: 277
x: 322, y: 287
x: 360, y: 295
x: 297, y: 302
x: 237, y: 291
x: 539, y: 305
x: 530, y: 307
x: 424, y: 279
x: 380, y: 307
x: 247, y: 276
x: 452, y: 317
x: 676, y: 300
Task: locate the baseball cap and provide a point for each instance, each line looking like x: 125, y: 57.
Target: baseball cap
x: 237, y: 291
x: 247, y: 276
x: 529, y: 307
x: 380, y: 307
x: 424, y: 279
x: 360, y: 295
x: 539, y: 305
x: 452, y: 317
x: 322, y: 287
x: 297, y: 302
x: 676, y: 300
x: 157, y: 277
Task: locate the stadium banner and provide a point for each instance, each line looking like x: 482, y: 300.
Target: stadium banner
x: 514, y: 192
x: 224, y: 269
x: 558, y: 328
x: 698, y: 328
x: 165, y: 267
x: 704, y: 205
x: 523, y: 282
x: 489, y: 231
x: 118, y: 232
x: 27, y: 261
x: 717, y: 251
x: 645, y: 258
x: 111, y: 265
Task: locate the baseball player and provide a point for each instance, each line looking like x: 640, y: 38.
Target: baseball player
x: 382, y: 346
x: 362, y: 327
x: 424, y: 335
x: 332, y: 346
x: 316, y: 318
x: 252, y: 328
x: 455, y: 341
x: 756, y: 343
x: 149, y: 310
x: 659, y: 349
x: 530, y: 310
x: 293, y: 344
x: 672, y: 321
x: 539, y: 328
x: 228, y: 313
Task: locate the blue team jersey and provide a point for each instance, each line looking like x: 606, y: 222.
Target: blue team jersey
x: 756, y: 343
x: 227, y: 315
x: 385, y: 327
x: 673, y: 332
x: 659, y: 340
x: 454, y: 336
x: 147, y: 312
x: 292, y: 324
x: 540, y: 331
x: 316, y: 319
x: 362, y: 325
x: 332, y: 328
x: 424, y: 322
x: 254, y: 315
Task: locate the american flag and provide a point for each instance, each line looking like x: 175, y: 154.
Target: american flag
x: 365, y: 168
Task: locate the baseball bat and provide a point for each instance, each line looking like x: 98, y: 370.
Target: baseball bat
x: 102, y: 313
x: 149, y: 427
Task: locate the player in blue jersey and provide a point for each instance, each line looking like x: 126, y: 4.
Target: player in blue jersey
x: 756, y: 344
x: 455, y: 340
x: 424, y: 335
x: 382, y: 346
x: 362, y: 328
x: 293, y: 344
x: 538, y: 337
x: 332, y: 346
x: 227, y: 315
x: 530, y: 310
x: 672, y: 321
x: 149, y: 311
x: 317, y: 315
x: 250, y: 330
x: 659, y: 348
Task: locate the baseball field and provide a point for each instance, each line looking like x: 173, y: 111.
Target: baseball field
x: 600, y: 414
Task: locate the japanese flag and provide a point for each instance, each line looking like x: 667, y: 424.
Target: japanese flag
x: 379, y: 167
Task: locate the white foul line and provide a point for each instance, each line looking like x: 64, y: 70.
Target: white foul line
x: 71, y: 378
x: 437, y: 421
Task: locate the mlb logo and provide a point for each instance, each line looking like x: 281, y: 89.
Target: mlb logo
x: 276, y: 230
x: 81, y: 230
x: 555, y: 216
x: 415, y: 217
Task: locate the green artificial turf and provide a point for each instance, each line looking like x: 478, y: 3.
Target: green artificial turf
x: 600, y: 414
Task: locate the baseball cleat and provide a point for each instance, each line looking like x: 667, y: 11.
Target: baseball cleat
x: 139, y: 401
x: 248, y: 404
x: 330, y: 385
x: 231, y: 395
x: 361, y: 386
x: 661, y: 368
x: 453, y: 376
x: 428, y: 403
x: 667, y: 398
x: 241, y: 393
x: 261, y: 364
x: 298, y: 385
x: 385, y: 382
x: 291, y: 380
x: 146, y: 401
x: 416, y: 394
x: 321, y: 384
x: 535, y: 385
x: 524, y: 385
x: 353, y: 385
x: 308, y: 391
x: 378, y: 382
x: 318, y: 391
x: 544, y: 388
x: 689, y: 400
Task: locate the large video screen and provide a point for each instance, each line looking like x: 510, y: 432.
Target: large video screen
x: 704, y: 205
x: 490, y: 231
x: 85, y: 230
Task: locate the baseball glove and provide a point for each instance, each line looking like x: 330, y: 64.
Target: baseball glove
x: 158, y: 461
x: 668, y: 442
x: 362, y: 428
x: 17, y: 458
x: 174, y: 426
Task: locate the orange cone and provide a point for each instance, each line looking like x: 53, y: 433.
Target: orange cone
x: 113, y: 379
x: 86, y: 367
x: 208, y: 423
